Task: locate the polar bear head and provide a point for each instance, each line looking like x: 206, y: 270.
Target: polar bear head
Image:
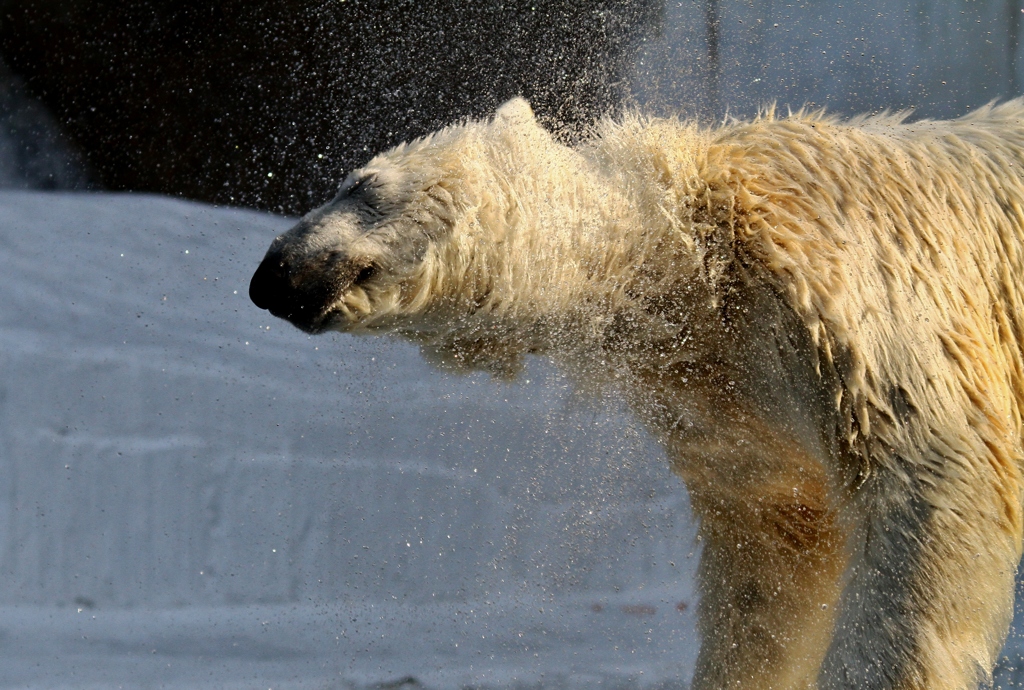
x: 404, y: 233
x: 438, y: 240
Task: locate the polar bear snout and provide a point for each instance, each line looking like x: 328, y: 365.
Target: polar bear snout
x: 302, y: 292
x: 268, y: 284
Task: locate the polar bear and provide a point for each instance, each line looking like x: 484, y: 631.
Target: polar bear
x: 821, y: 321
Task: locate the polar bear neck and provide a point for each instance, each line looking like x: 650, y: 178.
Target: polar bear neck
x: 557, y: 242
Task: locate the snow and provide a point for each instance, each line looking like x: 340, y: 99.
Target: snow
x: 197, y: 495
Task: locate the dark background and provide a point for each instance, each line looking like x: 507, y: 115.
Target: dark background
x: 268, y: 103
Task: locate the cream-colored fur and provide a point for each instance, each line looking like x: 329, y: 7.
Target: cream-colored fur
x: 820, y: 320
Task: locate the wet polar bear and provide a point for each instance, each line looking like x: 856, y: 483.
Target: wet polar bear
x: 820, y: 320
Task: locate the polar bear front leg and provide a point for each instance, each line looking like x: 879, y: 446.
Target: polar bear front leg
x: 929, y: 595
x: 770, y: 579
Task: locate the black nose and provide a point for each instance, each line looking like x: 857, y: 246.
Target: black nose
x: 298, y: 293
x: 269, y: 287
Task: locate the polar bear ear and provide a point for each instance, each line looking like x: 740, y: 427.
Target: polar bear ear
x: 516, y: 110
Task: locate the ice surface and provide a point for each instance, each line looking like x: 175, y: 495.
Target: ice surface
x: 195, y: 494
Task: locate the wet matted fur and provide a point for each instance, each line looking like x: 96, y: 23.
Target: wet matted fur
x: 820, y: 320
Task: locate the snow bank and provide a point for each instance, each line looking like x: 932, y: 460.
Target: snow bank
x: 196, y: 494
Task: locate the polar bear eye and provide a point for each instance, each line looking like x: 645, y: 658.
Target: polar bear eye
x: 366, y: 274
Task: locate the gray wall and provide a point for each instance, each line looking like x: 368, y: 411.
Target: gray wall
x: 940, y: 57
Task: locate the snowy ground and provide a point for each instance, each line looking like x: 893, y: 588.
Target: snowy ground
x: 194, y: 495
